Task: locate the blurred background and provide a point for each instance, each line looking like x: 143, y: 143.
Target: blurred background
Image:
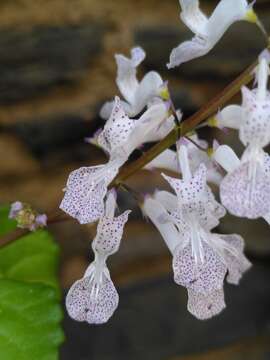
x: 56, y: 70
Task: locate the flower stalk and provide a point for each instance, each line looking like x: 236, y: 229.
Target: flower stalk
x: 188, y: 125
x: 182, y: 129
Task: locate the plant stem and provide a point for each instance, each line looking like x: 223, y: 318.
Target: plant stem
x: 188, y: 125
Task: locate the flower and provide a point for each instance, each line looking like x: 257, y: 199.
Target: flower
x: 26, y: 217
x: 201, y: 258
x: 87, y: 186
x: 168, y: 159
x: 137, y: 95
x: 208, y: 31
x: 245, y: 190
x: 94, y: 298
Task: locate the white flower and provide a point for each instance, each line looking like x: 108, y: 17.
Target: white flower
x: 87, y: 186
x: 201, y: 259
x: 245, y: 191
x: 137, y: 94
x: 94, y: 297
x: 208, y: 31
x: 168, y: 159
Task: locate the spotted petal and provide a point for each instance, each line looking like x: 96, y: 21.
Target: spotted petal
x: 85, y: 191
x: 237, y: 265
x: 200, y: 276
x: 109, y: 234
x: 187, y: 192
x: 168, y: 160
x: 245, y: 192
x: 117, y: 129
x: 206, y: 306
x: 83, y: 305
x: 255, y: 128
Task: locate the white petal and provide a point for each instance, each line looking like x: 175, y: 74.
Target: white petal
x: 193, y: 17
x: 267, y: 218
x: 109, y: 234
x: 245, y: 192
x: 255, y: 129
x: 188, y: 50
x: 209, y: 31
x: 225, y: 14
x: 166, y: 160
x: 239, y: 264
x: 266, y: 55
x: 117, y: 129
x: 262, y: 76
x: 184, y: 162
x: 168, y: 200
x: 147, y: 89
x: 126, y: 73
x: 188, y: 191
x: 161, y: 131
x: 107, y: 109
x: 197, y: 156
x: 146, y: 126
x: 76, y: 300
x: 230, y: 117
x: 155, y: 211
x: 202, y: 276
x: 86, y: 302
x: 110, y: 204
x: 204, y: 307
x: 85, y: 191
x: 226, y: 158
x: 213, y: 175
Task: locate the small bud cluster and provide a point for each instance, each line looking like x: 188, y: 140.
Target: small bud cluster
x: 26, y: 217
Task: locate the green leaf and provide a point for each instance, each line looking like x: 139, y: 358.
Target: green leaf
x: 30, y: 313
x: 6, y: 224
x: 34, y: 257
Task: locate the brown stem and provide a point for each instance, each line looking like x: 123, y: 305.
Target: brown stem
x: 188, y: 125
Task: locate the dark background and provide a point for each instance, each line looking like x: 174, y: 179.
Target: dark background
x: 56, y: 69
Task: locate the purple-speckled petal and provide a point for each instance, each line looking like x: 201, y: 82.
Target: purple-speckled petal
x: 255, y: 126
x: 203, y: 276
x: 247, y: 195
x: 206, y: 306
x: 86, y: 189
x: 109, y: 234
x: 239, y: 264
x: 117, y: 129
x: 84, y: 305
